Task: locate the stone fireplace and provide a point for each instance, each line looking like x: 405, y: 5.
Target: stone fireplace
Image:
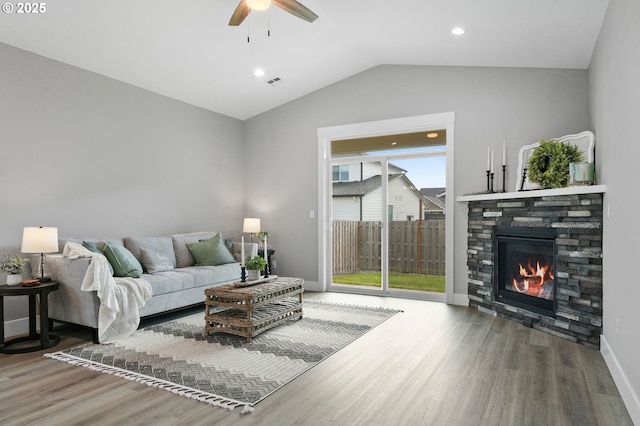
x: 536, y: 258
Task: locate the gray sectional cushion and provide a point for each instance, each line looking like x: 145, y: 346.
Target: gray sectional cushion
x: 154, y: 261
x: 180, y: 241
x: 161, y: 245
x: 192, y: 277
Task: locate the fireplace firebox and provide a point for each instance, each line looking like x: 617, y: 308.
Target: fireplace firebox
x: 525, y: 268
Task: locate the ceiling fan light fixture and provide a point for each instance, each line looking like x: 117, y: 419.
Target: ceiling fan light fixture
x: 258, y: 4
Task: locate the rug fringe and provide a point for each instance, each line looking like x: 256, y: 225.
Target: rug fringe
x: 209, y: 398
x: 247, y: 409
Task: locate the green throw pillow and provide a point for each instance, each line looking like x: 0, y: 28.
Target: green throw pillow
x: 91, y: 246
x: 211, y: 252
x: 124, y: 263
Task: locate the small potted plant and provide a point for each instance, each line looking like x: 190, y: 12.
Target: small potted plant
x: 254, y: 265
x: 262, y: 235
x: 13, y: 266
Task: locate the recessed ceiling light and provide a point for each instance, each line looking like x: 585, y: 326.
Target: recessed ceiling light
x: 432, y: 135
x: 259, y: 72
x: 457, y: 31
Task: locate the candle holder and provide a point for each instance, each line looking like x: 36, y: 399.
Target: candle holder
x: 488, y: 174
x: 491, y: 189
x: 504, y: 177
x: 243, y: 274
x: 524, y: 178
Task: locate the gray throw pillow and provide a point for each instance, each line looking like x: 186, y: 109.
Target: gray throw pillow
x: 123, y: 262
x: 162, y: 245
x: 154, y: 261
x: 211, y: 252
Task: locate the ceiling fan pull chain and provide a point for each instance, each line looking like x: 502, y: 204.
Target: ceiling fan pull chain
x: 269, y: 22
x: 248, y: 32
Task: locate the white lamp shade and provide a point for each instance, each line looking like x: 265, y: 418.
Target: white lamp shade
x: 251, y: 225
x: 258, y: 4
x: 40, y: 240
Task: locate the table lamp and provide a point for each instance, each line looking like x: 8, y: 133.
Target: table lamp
x: 251, y: 225
x: 40, y: 240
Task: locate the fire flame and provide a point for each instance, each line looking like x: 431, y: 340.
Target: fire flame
x: 532, y: 278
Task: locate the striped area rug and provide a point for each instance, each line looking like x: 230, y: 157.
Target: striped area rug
x: 225, y: 370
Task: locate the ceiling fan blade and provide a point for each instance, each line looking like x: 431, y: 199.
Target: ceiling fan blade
x: 239, y: 14
x: 296, y: 9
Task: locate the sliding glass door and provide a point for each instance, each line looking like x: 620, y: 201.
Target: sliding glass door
x: 388, y: 233
x: 358, y: 197
x: 407, y: 249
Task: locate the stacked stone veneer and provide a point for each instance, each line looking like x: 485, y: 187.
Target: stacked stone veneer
x: 577, y: 220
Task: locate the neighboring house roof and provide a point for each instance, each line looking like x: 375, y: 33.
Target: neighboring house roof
x: 359, y: 188
x: 433, y: 192
x: 393, y: 167
x: 435, y: 196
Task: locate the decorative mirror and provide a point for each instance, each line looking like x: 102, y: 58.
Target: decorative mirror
x: 585, y: 141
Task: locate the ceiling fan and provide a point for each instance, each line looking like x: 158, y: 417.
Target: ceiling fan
x: 291, y: 6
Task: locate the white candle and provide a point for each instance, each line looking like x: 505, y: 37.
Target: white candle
x: 504, y: 153
x: 491, y: 161
x: 242, y: 251
x: 488, y: 158
x: 265, y: 249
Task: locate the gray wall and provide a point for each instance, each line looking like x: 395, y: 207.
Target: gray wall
x: 94, y: 156
x: 520, y: 106
x: 614, y: 77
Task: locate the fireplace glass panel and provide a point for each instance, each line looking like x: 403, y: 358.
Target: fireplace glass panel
x: 526, y: 271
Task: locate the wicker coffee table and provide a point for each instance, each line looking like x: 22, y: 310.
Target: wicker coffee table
x: 253, y: 309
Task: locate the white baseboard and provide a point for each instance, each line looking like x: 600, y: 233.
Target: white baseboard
x: 18, y: 326
x: 313, y: 286
x: 460, y: 299
x: 629, y: 396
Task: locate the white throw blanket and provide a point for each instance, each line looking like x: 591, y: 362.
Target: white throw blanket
x: 120, y: 298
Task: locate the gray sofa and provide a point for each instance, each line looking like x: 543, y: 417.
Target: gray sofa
x: 173, y: 289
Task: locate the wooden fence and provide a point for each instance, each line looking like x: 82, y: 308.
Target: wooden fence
x: 416, y: 247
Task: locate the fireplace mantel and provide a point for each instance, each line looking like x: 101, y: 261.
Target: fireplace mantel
x: 571, y: 190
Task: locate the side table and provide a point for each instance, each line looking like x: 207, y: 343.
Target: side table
x: 46, y: 339
x: 270, y: 252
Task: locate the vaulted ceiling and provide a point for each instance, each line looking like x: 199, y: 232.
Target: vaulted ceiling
x: 185, y: 49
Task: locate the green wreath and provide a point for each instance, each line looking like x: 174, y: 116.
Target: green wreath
x: 549, y: 163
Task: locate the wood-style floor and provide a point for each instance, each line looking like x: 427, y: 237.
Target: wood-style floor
x: 433, y: 364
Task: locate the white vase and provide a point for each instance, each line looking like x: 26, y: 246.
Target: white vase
x: 14, y: 279
x: 253, y: 274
